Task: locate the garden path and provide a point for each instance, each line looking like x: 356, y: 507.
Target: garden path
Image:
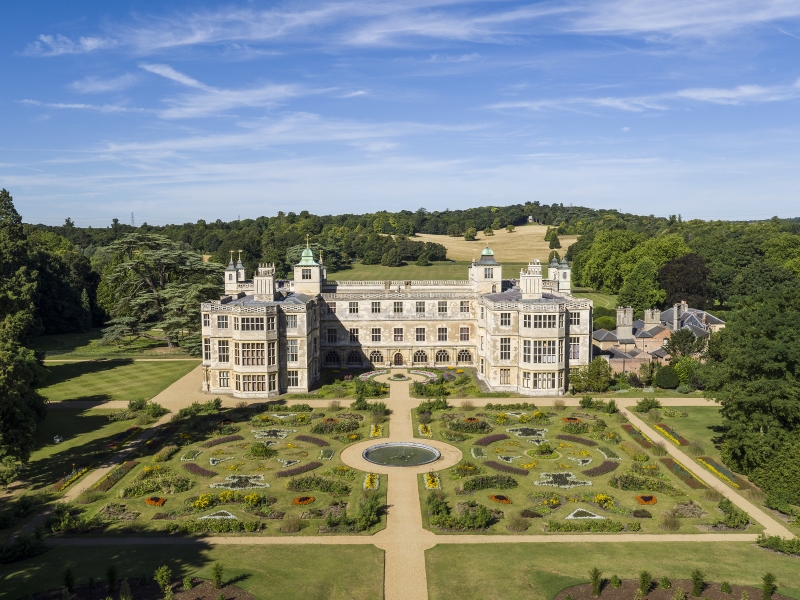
x: 404, y: 540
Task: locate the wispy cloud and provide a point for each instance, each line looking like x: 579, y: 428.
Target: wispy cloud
x: 355, y: 94
x: 97, y: 85
x: 445, y: 58
x: 49, y: 45
x: 743, y: 94
x: 104, y: 108
x: 211, y: 101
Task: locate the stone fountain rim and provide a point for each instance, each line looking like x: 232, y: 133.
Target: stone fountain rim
x: 436, y: 453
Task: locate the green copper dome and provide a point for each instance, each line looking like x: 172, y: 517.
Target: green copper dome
x: 307, y: 257
x: 487, y: 252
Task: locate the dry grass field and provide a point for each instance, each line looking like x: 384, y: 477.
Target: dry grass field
x: 521, y: 246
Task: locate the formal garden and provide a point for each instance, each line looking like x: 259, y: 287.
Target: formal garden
x: 526, y: 470
x: 268, y: 469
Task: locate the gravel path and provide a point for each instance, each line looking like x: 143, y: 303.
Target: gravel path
x: 404, y: 540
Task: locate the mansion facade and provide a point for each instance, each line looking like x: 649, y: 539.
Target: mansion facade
x: 267, y: 337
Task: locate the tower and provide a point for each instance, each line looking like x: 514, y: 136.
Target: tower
x: 241, y: 273
x: 308, y: 274
x: 564, y: 277
x: 530, y: 281
x: 625, y: 325
x: 231, y: 278
x: 264, y: 282
x: 486, y: 273
x: 552, y: 270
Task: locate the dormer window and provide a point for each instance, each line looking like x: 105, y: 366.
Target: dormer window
x: 306, y: 274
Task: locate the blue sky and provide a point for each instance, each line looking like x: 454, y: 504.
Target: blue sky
x: 177, y: 111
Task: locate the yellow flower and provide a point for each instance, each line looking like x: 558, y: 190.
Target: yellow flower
x: 530, y: 465
x: 203, y: 501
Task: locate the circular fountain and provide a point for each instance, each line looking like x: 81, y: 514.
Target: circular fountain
x: 401, y: 454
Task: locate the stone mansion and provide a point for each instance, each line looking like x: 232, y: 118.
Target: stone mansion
x: 267, y: 337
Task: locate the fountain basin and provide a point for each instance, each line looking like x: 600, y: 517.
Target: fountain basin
x: 401, y: 454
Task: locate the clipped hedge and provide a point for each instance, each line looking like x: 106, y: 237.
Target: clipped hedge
x: 315, y: 482
x: 505, y: 468
x: 221, y: 440
x: 311, y: 440
x: 486, y: 482
x: 490, y: 439
x: 299, y: 470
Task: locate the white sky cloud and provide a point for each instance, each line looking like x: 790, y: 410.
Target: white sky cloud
x: 97, y: 85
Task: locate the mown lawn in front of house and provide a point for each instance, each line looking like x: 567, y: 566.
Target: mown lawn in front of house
x: 106, y: 380
x: 268, y: 572
x: 539, y: 571
x: 87, y: 345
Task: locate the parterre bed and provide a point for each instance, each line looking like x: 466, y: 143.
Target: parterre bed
x: 586, y: 498
x: 214, y: 449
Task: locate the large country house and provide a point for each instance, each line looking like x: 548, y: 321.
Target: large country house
x: 267, y: 337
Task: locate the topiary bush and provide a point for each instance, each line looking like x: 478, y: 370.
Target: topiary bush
x: 667, y: 378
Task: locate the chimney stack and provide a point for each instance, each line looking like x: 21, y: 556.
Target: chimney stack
x: 625, y: 325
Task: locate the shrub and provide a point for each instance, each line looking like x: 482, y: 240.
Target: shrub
x: 259, y: 450
x: 768, y: 586
x: 646, y: 404
x: 163, y: 577
x: 485, y: 482
x: 478, y: 426
x: 111, y: 577
x: 596, y: 577
x: 695, y: 449
x: 216, y: 573
x: 667, y: 378
x: 187, y: 583
x: 679, y: 594
x: 615, y: 582
x: 586, y: 402
x: 576, y: 439
x: 439, y: 403
x: 670, y: 522
x: 658, y: 449
x: 575, y: 428
x: 642, y: 513
x: 634, y: 451
x: 222, y: 440
x: 517, y: 524
x: 645, y: 582
x: 604, y: 526
x: 558, y: 404
x: 734, y: 517
x: 725, y: 587
x: 165, y: 453
x: 334, y: 405
x: 713, y: 495
x: 604, y: 467
x: 300, y: 469
x: 503, y: 468
x: 125, y: 591
x: 490, y: 439
x: 665, y: 583
x: 424, y: 417
x: 653, y: 416
x: 196, y: 469
x: 698, y: 582
x: 474, y: 516
x: 467, y: 405
x: 69, y: 580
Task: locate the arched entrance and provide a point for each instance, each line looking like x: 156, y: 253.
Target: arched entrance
x: 398, y: 360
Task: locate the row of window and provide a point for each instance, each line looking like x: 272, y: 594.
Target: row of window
x: 398, y: 334
x: 251, y: 354
x: 535, y: 381
x: 257, y: 383
x: 249, y: 323
x: 376, y: 357
x: 539, y: 321
x: 398, y: 307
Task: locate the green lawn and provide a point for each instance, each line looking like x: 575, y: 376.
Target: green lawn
x: 86, y: 345
x: 438, y: 270
x: 540, y: 571
x: 703, y: 425
x: 85, y: 432
x: 601, y: 301
x: 267, y: 572
x: 102, y: 380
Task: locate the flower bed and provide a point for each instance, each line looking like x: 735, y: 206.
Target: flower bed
x: 528, y: 432
x: 432, y: 481
x: 376, y: 431
x: 299, y: 470
x: 582, y: 513
x: 490, y: 439
x: 365, y: 376
x: 505, y: 468
x: 487, y: 482
x: 638, y: 436
x: 113, y: 476
x: 123, y: 437
x: 221, y: 440
x: 425, y: 431
x: 477, y: 452
x: 196, y: 469
x: 576, y: 439
x: 719, y: 470
x: 270, y: 434
x: 241, y: 482
x: 427, y: 374
x: 563, y: 480
x: 508, y: 458
x: 646, y: 500
x: 604, y: 467
x: 303, y: 500
x: 371, y: 481
x: 683, y: 473
x: 608, y: 453
x: 213, y: 462
x: 155, y: 501
x: 326, y: 454
x: 671, y: 434
x: 500, y: 499
x: 594, y: 526
x: 633, y: 482
x: 190, y: 455
x: 69, y: 479
x: 311, y: 440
